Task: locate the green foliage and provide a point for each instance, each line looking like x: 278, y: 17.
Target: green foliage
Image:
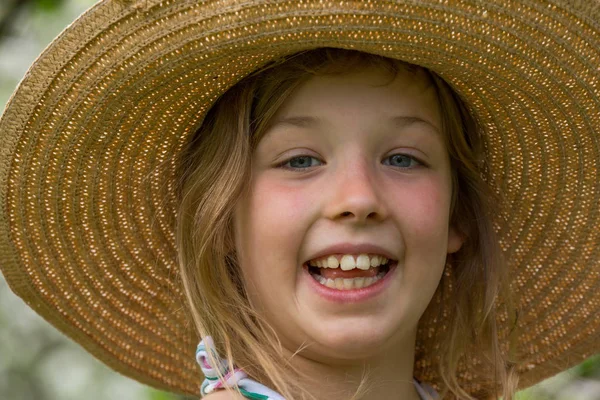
x: 48, y: 5
x: 524, y: 395
x: 590, y: 368
x: 156, y: 395
x: 153, y: 394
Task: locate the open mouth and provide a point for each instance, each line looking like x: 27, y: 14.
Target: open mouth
x: 350, y: 280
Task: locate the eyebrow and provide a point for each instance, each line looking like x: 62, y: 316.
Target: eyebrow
x: 399, y: 121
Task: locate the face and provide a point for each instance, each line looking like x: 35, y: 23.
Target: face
x: 348, y: 166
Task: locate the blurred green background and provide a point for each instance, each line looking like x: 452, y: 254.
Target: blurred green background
x: 39, y: 363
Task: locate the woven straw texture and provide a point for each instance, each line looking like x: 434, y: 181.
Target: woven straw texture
x: 87, y: 207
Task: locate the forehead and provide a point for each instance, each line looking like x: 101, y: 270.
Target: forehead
x: 369, y: 92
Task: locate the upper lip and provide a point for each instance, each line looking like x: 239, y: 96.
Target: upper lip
x: 349, y: 248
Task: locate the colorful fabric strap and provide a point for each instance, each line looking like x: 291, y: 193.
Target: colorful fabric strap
x: 249, y: 388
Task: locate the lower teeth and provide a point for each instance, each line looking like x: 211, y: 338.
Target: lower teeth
x: 348, y: 284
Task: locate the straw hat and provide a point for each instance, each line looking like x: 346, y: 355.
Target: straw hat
x: 89, y: 139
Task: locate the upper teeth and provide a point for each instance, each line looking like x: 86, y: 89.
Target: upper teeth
x: 347, y: 262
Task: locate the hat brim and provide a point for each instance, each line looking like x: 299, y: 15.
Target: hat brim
x: 89, y: 139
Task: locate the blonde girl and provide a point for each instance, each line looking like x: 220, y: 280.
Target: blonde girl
x: 338, y: 200
x: 427, y: 200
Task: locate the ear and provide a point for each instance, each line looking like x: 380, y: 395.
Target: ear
x: 455, y: 240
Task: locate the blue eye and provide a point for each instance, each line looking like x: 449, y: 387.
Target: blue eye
x: 404, y: 161
x: 301, y: 162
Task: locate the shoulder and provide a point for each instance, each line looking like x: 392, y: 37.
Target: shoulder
x: 224, y: 395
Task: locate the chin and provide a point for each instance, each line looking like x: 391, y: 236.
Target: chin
x: 353, y: 344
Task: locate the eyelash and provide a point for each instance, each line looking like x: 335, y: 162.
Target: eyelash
x: 283, y: 163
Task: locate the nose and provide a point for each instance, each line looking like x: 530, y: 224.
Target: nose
x: 356, y: 193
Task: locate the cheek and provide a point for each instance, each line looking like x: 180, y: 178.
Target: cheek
x: 269, y: 226
x: 424, y: 230
x: 279, y: 203
x: 426, y: 218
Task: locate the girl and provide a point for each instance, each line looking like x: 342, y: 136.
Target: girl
x: 345, y: 199
x: 318, y: 204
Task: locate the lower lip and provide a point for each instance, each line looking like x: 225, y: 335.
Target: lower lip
x: 352, y: 295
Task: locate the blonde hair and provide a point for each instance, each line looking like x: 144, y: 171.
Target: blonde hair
x: 214, y: 172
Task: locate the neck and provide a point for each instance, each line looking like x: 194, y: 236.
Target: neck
x: 389, y: 374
